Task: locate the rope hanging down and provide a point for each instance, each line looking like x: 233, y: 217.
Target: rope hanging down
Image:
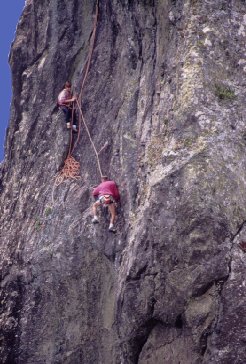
x: 71, y: 166
x: 85, y: 70
x: 92, y: 143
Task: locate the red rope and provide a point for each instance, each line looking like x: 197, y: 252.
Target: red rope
x: 71, y: 166
x: 70, y: 170
x: 86, y: 67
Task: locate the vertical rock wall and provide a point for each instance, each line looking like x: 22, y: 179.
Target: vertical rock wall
x: 165, y: 98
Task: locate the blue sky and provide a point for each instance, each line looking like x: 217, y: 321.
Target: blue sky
x: 11, y: 11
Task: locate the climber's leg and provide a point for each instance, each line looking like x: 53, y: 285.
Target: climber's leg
x: 94, y: 212
x: 112, y: 211
x: 68, y: 115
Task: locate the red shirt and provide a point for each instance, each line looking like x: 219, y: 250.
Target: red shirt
x: 107, y: 188
x: 63, y: 96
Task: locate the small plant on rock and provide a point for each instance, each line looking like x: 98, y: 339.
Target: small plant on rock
x: 38, y: 224
x: 48, y: 211
x: 224, y: 92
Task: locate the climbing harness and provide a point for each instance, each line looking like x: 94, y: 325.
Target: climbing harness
x: 71, y: 166
x: 106, y: 199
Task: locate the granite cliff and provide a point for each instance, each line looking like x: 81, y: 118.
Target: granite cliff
x: 165, y: 99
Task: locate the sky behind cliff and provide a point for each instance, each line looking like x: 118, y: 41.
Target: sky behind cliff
x: 11, y: 11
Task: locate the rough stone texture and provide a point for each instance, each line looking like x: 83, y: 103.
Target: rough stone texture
x: 166, y: 91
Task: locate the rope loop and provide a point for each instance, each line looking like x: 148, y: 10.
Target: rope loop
x: 70, y: 170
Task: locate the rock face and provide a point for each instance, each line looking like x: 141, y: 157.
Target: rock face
x: 165, y: 97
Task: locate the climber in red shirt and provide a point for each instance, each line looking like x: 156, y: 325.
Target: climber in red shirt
x: 65, y: 100
x: 107, y: 194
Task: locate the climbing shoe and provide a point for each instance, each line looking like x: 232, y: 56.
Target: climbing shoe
x: 75, y: 129
x: 111, y: 228
x: 68, y: 126
x: 95, y: 220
